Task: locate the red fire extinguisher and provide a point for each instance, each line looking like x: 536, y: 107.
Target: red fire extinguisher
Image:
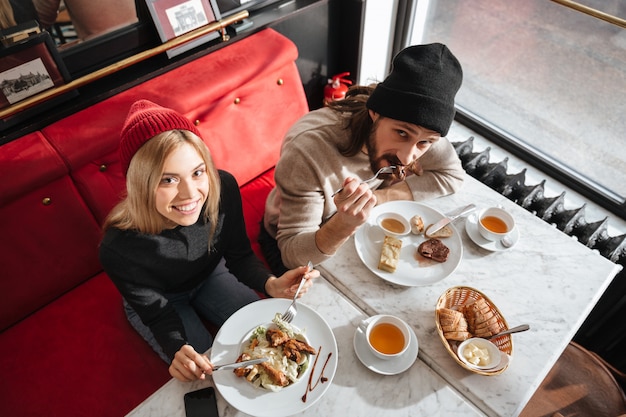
x: 336, y: 88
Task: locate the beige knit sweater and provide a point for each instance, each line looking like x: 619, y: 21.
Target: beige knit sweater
x: 311, y: 169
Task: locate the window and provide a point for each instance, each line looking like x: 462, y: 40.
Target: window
x: 547, y: 81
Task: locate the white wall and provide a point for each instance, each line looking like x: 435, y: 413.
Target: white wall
x: 377, y: 37
x: 379, y: 24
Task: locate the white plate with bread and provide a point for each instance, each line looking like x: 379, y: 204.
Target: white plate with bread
x: 409, y: 268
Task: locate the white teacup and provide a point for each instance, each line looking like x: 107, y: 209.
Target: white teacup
x: 494, y: 223
x: 387, y: 336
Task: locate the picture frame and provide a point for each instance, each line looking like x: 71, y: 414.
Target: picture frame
x: 30, y: 67
x: 174, y: 18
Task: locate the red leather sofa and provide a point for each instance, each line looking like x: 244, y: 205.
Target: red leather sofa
x: 66, y: 348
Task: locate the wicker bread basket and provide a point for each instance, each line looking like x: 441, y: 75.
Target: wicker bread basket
x: 454, y: 298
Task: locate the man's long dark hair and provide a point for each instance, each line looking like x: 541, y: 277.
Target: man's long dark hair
x: 355, y: 113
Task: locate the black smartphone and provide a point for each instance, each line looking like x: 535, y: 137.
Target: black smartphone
x: 201, y: 403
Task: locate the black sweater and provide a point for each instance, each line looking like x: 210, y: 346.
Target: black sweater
x: 144, y: 267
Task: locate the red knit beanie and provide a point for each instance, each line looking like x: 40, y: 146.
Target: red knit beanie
x: 145, y: 120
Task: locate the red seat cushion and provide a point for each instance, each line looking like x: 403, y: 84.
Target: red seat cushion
x: 78, y: 356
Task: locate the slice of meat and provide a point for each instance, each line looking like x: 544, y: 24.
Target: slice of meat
x: 278, y: 377
x: 242, y: 371
x: 434, y: 249
x: 399, y: 173
x: 276, y: 337
x: 293, y: 350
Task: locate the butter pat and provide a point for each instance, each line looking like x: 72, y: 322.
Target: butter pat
x: 476, y: 356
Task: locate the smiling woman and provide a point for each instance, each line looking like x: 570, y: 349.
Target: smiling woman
x: 176, y: 246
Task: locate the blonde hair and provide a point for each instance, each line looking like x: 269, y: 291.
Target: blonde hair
x: 137, y: 211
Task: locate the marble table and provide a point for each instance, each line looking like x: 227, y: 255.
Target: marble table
x: 547, y: 280
x: 355, y: 390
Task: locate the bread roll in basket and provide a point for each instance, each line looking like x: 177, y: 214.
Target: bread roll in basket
x: 456, y: 297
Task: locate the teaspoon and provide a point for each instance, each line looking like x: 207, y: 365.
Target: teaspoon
x: 506, y: 241
x: 516, y: 329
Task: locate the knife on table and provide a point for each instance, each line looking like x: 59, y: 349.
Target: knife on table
x: 450, y: 217
x: 236, y: 365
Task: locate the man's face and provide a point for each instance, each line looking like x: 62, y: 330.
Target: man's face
x: 393, y: 142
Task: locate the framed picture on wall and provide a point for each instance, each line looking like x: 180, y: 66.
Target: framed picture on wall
x: 174, y: 18
x: 29, y: 67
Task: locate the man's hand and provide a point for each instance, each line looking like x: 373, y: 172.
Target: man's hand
x: 354, y: 204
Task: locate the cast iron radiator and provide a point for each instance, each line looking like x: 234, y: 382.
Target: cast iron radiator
x: 604, y: 330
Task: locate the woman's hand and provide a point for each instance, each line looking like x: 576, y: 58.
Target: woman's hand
x: 287, y: 285
x: 189, y: 365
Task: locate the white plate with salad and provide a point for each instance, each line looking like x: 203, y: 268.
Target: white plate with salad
x: 316, y: 374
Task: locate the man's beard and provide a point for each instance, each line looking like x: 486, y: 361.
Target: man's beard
x: 377, y: 162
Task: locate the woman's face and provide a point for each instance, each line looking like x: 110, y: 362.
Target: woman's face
x: 184, y: 186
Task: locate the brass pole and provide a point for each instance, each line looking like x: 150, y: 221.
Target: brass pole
x: 593, y: 12
x: 127, y: 62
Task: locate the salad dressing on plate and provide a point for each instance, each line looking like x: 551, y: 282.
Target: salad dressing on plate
x: 321, y: 378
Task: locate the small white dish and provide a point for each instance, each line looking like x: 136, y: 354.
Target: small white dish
x: 493, y: 353
x: 471, y: 227
x: 384, y: 366
x: 393, y: 224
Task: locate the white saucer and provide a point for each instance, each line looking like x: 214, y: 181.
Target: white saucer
x: 382, y: 366
x: 471, y: 227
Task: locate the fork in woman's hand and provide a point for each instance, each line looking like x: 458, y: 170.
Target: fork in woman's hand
x: 291, y: 311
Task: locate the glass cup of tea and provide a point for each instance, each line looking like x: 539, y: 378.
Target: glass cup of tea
x: 387, y: 336
x: 495, y: 223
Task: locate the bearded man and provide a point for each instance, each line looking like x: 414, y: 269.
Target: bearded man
x: 400, y: 122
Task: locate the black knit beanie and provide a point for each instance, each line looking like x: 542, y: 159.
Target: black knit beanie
x: 420, y: 88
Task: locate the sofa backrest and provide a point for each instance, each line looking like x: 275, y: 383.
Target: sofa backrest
x: 242, y: 98
x: 48, y: 235
x: 65, y: 179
